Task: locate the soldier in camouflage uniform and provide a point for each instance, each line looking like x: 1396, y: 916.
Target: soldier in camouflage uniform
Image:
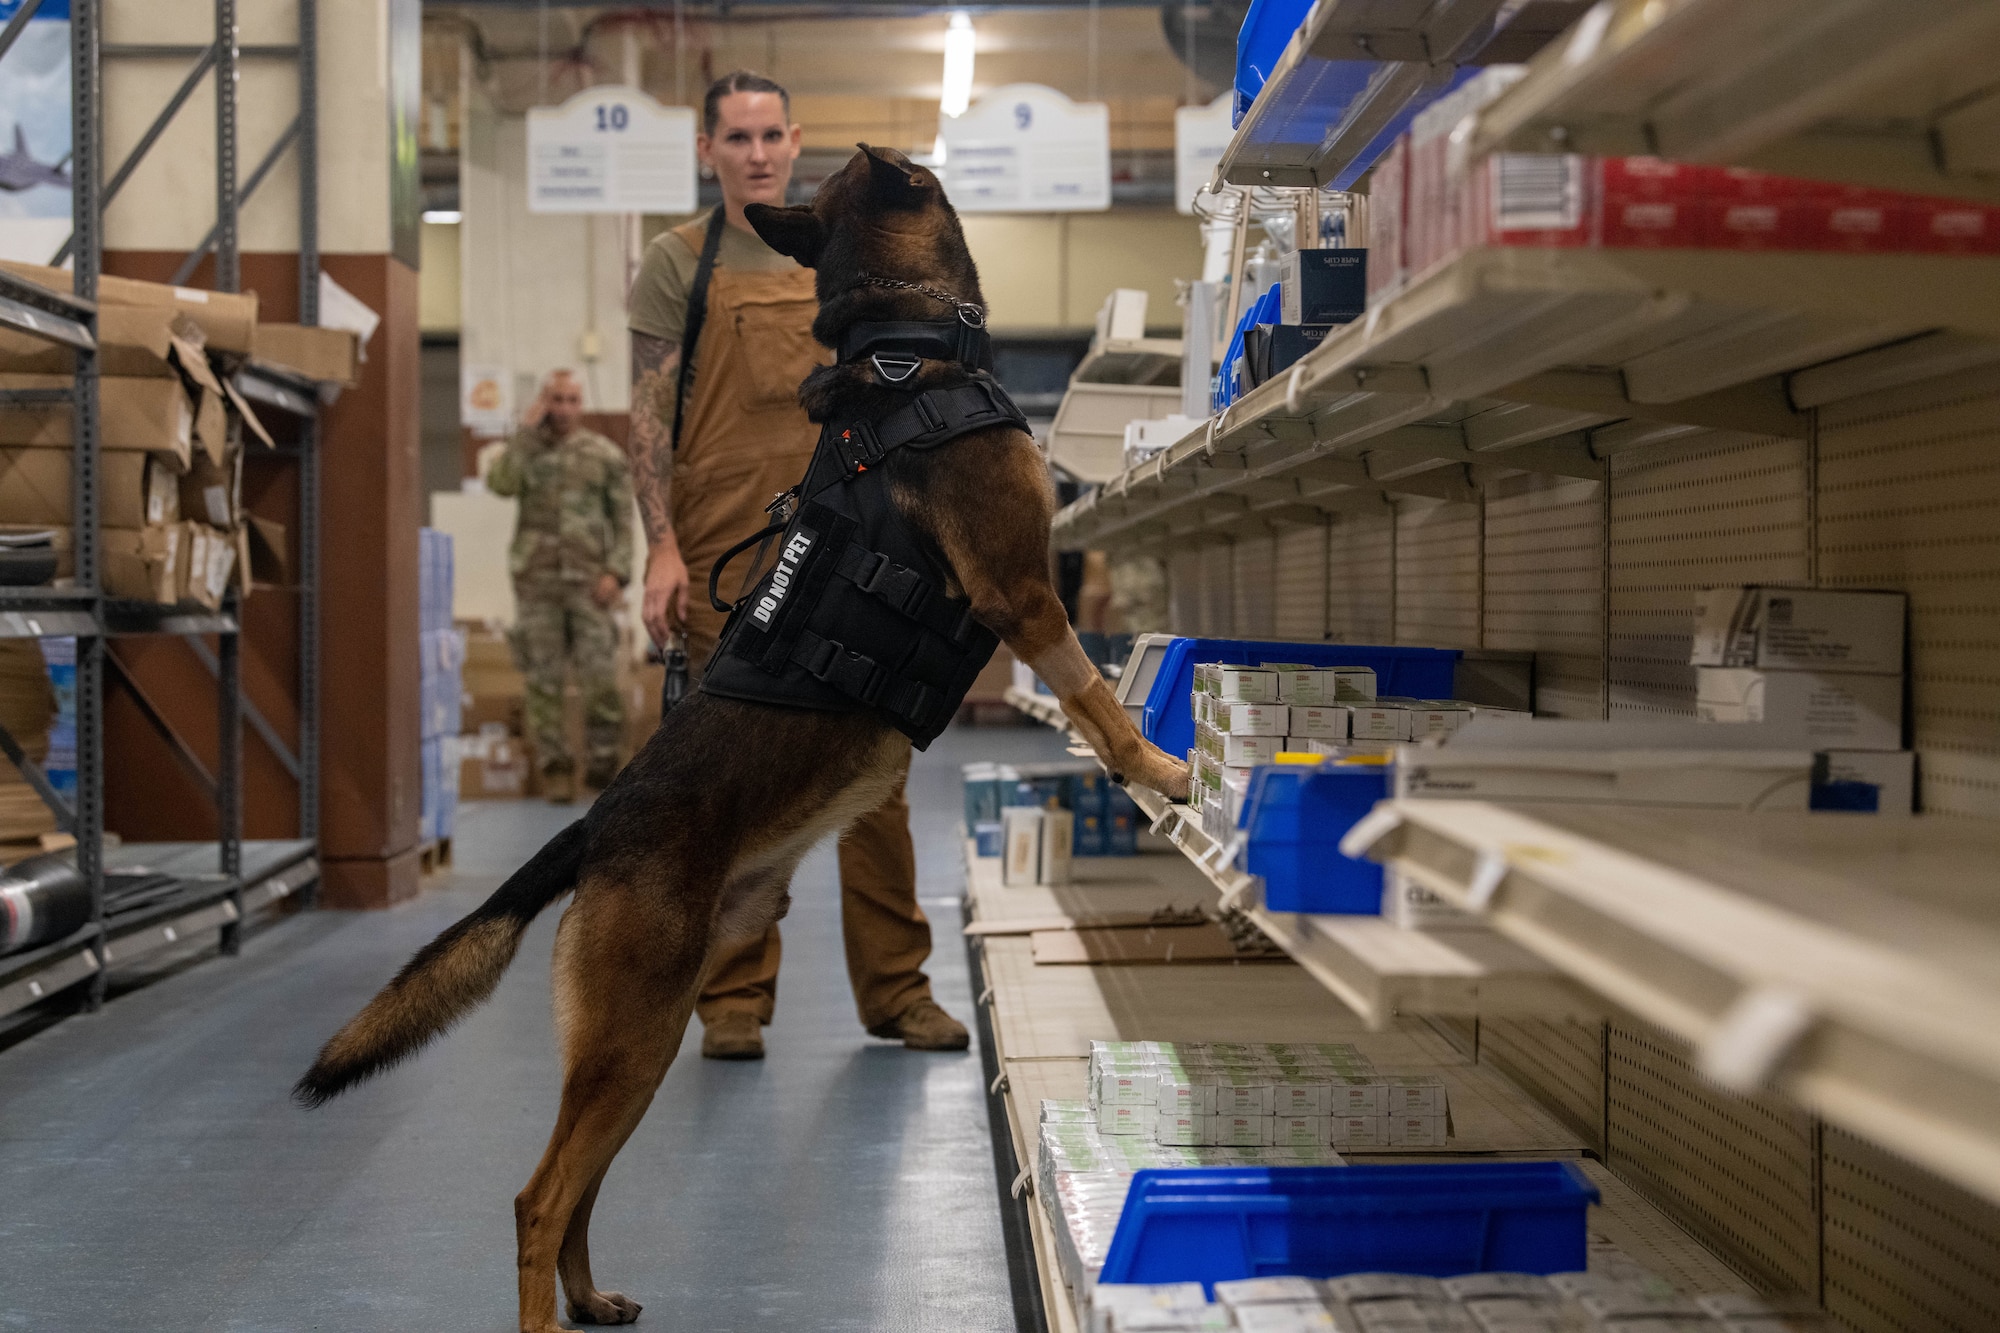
x: 571, y: 559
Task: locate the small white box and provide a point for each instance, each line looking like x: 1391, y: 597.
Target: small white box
x: 1238, y: 1093
x: 1356, y: 1131
x: 1353, y: 684
x: 1125, y: 1120
x: 1267, y: 1291
x: 1415, y: 1131
x: 1719, y: 779
x: 1849, y: 709
x: 1800, y: 629
x: 1378, y: 724
x: 1249, y: 751
x: 1237, y: 1131
x: 1414, y: 907
x: 1298, y: 1131
x: 1892, y: 773
x: 1286, y: 1317
x: 1416, y: 1094
x: 1243, y: 685
x: 1021, y: 845
x: 1436, y: 717
x: 1058, y: 844
x: 1302, y: 1094
x: 1252, y: 719
x: 1125, y: 1085
x: 1358, y: 1097
x: 1322, y: 722
x: 1177, y: 1127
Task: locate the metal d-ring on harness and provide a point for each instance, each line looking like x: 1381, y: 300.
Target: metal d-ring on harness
x: 856, y: 612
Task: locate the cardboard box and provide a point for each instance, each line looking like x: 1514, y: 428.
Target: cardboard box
x: 1232, y: 684
x: 131, y: 340
x: 211, y: 491
x: 1357, y: 1131
x: 133, y: 413
x: 133, y: 490
x: 1800, y: 629
x: 144, y: 564
x: 228, y: 320
x: 1893, y: 775
x: 492, y: 768
x: 1849, y: 709
x: 1323, y: 286
x: 328, y: 355
x: 1058, y: 844
x: 211, y: 564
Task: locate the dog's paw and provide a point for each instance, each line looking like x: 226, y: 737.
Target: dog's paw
x: 604, y: 1307
x: 1164, y: 774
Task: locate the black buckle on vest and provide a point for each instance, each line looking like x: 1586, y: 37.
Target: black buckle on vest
x: 858, y: 445
x: 853, y: 675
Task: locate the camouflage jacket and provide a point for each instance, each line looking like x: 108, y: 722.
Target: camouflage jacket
x: 576, y: 506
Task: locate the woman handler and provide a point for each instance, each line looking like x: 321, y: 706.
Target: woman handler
x: 747, y: 312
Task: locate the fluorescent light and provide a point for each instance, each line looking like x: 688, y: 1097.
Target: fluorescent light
x: 448, y: 216
x: 958, y: 51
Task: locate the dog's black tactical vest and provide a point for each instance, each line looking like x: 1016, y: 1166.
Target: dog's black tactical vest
x: 853, y: 615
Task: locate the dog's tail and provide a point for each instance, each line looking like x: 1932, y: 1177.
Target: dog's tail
x: 447, y: 978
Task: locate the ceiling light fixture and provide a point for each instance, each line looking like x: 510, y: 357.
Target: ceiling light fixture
x: 447, y: 216
x: 959, y: 42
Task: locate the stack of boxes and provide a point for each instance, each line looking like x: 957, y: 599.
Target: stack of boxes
x: 1036, y: 817
x: 1425, y: 207
x: 1192, y: 1094
x: 441, y: 649
x: 1247, y: 716
x: 1824, y: 666
x: 171, y: 427
x: 1615, y: 1295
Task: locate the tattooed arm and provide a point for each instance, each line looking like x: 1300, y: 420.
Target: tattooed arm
x: 655, y: 368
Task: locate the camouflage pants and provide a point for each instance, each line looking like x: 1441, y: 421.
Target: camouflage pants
x: 556, y: 628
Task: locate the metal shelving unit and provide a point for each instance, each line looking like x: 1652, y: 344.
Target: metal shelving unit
x: 244, y: 876
x: 1895, y: 94
x: 1549, y: 362
x: 1377, y: 969
x: 1848, y: 961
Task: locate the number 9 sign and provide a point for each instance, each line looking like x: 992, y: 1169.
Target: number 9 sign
x: 1024, y: 116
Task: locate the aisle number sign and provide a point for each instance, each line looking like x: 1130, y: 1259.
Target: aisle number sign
x: 1028, y: 149
x: 611, y: 149
x: 1201, y: 133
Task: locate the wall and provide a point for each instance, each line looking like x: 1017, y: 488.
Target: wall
x: 1045, y: 272
x: 547, y: 282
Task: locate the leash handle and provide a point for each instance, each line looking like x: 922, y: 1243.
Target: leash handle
x: 715, y: 574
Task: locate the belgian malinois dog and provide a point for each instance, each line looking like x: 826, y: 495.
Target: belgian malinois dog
x: 694, y: 842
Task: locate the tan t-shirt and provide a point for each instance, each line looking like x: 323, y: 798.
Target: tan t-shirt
x: 666, y: 274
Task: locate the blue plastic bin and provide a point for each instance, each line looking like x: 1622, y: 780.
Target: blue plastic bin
x: 1295, y: 818
x: 1440, y: 1220
x: 1411, y: 673
x: 1266, y: 32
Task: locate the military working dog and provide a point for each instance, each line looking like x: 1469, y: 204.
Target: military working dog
x: 696, y: 839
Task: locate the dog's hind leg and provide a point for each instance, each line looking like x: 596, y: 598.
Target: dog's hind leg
x: 627, y: 969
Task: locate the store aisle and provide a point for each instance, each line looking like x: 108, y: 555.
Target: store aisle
x: 155, y: 1177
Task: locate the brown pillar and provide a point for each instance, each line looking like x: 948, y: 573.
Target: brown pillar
x: 370, y: 484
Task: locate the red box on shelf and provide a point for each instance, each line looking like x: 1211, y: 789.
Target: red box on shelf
x: 1766, y: 224
x: 1745, y: 185
x: 1650, y: 223
x: 1950, y: 226
x: 1655, y: 178
x: 1870, y: 222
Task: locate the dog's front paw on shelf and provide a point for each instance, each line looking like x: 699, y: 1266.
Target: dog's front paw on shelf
x: 1164, y: 774
x: 604, y: 1307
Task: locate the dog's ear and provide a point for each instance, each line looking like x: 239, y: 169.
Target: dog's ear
x: 793, y: 231
x: 892, y: 183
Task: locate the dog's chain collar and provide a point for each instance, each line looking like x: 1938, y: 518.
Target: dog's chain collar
x: 970, y: 314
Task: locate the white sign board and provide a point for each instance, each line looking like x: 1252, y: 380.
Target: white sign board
x: 611, y: 149
x: 485, y: 403
x: 1200, y: 135
x: 1028, y: 149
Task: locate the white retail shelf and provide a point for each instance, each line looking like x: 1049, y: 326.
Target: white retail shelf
x: 1311, y: 120
x: 1376, y: 968
x: 1852, y: 962
x: 1897, y: 94
x: 1533, y: 360
x: 1155, y: 361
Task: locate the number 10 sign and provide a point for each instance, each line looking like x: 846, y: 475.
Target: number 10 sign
x: 611, y: 149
